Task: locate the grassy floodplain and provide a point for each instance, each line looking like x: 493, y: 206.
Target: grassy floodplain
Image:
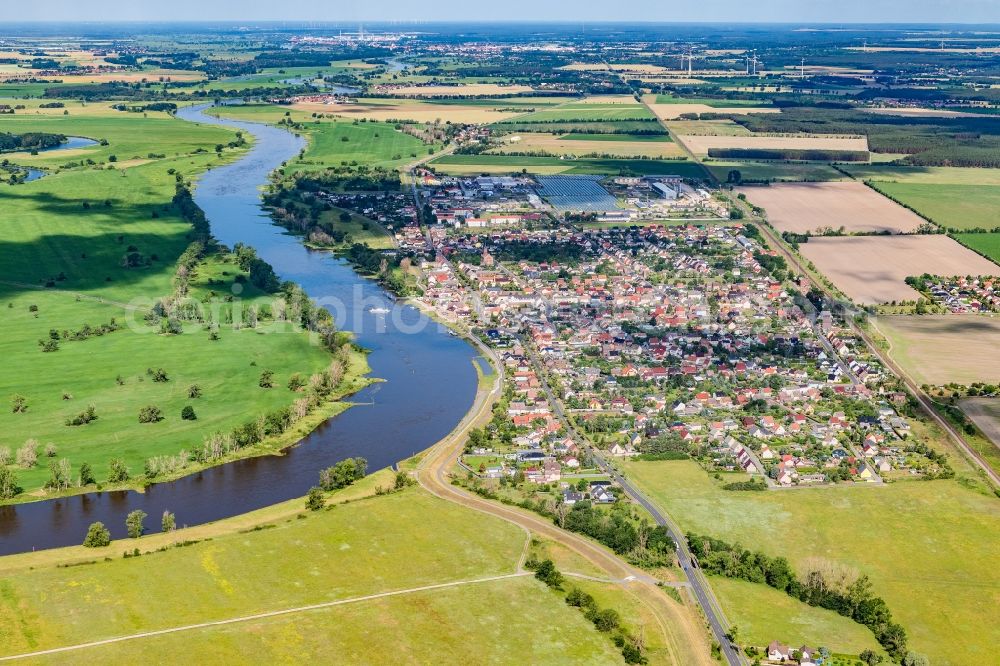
x: 954, y: 206
x: 396, y: 542
x: 927, y: 546
x: 61, y: 268
x: 332, y: 142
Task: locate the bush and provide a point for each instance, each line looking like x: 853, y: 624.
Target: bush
x: 188, y: 413
x: 150, y: 414
x: 315, y: 500
x: 98, y: 536
x: 548, y: 574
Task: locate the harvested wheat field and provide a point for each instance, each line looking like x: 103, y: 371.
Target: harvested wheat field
x: 811, y: 207
x: 674, y: 111
x: 463, y: 90
x: 418, y: 111
x: 985, y: 413
x: 939, y: 349
x: 576, y: 145
x: 872, y: 269
x: 702, y: 144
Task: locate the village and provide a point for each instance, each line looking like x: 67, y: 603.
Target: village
x: 666, y: 342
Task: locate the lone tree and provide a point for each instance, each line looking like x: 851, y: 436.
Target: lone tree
x: 98, y: 536
x: 315, y: 500
x: 188, y: 413
x: 18, y: 404
x: 168, y: 523
x: 133, y: 523
x: 194, y: 391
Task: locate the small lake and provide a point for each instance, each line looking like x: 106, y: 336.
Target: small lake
x: 429, y: 377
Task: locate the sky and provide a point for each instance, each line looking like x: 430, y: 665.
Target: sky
x: 784, y: 11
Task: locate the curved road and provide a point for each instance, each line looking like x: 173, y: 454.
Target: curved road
x: 685, y: 637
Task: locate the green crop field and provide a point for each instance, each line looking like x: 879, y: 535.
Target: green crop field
x: 927, y: 546
x: 800, y: 172
x: 985, y: 244
x: 382, y: 544
x: 764, y: 614
x: 924, y: 175
x: 950, y: 206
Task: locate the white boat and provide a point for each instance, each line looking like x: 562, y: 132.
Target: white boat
x: 378, y: 310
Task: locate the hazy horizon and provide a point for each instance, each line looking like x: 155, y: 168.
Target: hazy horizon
x: 964, y: 12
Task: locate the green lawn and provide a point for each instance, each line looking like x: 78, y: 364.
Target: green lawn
x: 360, y: 228
x: 394, y: 542
x: 929, y: 547
x: 952, y: 206
x: 763, y: 614
x: 986, y: 244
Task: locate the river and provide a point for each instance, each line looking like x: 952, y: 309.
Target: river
x: 429, y: 377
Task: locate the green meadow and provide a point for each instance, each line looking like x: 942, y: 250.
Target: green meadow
x: 381, y: 544
x: 779, y: 172
x: 62, y: 268
x: 763, y: 614
x: 129, y: 136
x: 927, y: 546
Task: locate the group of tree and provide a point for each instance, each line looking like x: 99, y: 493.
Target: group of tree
x: 343, y: 474
x: 855, y: 601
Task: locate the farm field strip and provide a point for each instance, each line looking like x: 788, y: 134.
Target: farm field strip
x: 810, y: 207
x: 939, y: 349
x: 701, y: 144
x: 872, y: 269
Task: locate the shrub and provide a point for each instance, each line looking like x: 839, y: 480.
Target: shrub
x: 315, y: 500
x: 188, y: 413
x: 150, y: 414
x: 134, y: 523
x: 118, y: 472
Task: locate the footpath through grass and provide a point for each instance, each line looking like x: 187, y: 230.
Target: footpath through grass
x: 393, y: 542
x: 928, y: 547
